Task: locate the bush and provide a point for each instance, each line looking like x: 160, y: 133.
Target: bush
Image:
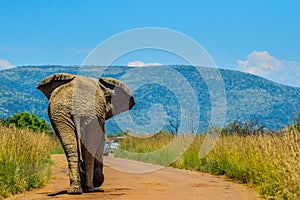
x: 30, y: 121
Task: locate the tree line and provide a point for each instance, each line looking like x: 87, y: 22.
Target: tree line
x: 32, y: 122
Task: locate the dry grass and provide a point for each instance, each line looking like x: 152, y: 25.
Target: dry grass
x: 25, y: 160
x: 270, y: 164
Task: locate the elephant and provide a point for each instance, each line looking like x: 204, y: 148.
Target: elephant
x: 78, y: 108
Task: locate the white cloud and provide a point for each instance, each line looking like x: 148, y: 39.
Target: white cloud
x: 4, y: 64
x: 265, y: 65
x: 138, y: 63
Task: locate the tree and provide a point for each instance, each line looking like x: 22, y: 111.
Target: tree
x: 2, y: 121
x: 295, y: 123
x: 244, y: 128
x: 30, y: 121
x: 173, y: 127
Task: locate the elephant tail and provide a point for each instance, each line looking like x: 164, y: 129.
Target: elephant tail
x: 52, y: 82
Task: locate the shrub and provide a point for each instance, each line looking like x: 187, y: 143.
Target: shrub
x: 30, y: 121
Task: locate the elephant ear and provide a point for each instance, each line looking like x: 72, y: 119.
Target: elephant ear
x: 118, y: 96
x: 52, y: 82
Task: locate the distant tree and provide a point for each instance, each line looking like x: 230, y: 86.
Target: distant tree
x: 2, y: 121
x: 295, y: 123
x: 30, y: 121
x: 173, y: 127
x: 244, y: 128
x: 118, y: 134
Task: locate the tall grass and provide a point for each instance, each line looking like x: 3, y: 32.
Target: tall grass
x: 161, y: 149
x: 25, y: 160
x: 270, y: 164
x: 56, y: 147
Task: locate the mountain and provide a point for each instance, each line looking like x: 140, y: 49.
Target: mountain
x: 165, y: 95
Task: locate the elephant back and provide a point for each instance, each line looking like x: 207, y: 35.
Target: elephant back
x: 54, y: 81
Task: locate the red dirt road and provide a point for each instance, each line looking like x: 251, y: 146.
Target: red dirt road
x: 166, y: 183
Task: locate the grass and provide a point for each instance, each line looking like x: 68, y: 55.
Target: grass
x: 270, y: 164
x: 161, y: 149
x: 25, y: 160
x: 57, y: 147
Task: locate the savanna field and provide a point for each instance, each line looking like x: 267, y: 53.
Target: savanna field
x: 270, y: 164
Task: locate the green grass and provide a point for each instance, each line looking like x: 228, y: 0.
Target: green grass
x: 270, y: 164
x: 25, y: 160
x: 57, y: 147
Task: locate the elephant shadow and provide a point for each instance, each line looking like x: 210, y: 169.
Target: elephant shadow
x: 63, y: 192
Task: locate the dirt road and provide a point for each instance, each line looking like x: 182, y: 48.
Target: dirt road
x: 161, y: 184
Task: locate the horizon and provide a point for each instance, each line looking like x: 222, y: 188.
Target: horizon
x: 184, y: 65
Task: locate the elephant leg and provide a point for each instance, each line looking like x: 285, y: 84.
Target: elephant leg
x: 75, y: 186
x: 98, y: 173
x: 91, y: 143
x: 98, y: 163
x: 89, y: 170
x: 93, y: 172
x: 64, y: 128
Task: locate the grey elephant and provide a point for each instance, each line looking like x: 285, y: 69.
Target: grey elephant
x: 78, y: 107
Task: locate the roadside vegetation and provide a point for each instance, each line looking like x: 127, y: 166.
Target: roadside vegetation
x: 25, y: 157
x: 267, y: 161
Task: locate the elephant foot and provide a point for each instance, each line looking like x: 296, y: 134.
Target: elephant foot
x: 75, y: 190
x: 98, y: 178
x: 91, y: 189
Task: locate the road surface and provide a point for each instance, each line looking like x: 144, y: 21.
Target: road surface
x: 160, y: 184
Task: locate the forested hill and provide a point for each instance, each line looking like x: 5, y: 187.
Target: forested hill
x: 248, y: 97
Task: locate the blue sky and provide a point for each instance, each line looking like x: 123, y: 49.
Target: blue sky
x: 260, y: 37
